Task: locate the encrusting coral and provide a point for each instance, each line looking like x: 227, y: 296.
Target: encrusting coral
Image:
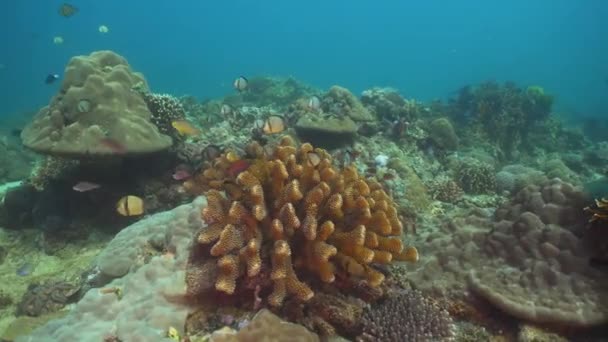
x: 293, y: 213
x: 407, y: 316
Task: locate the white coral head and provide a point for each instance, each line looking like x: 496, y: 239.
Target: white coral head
x: 381, y: 160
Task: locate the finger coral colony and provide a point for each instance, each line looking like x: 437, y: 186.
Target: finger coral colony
x: 292, y: 212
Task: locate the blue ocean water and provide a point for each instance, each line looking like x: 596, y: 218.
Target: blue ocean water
x: 426, y: 49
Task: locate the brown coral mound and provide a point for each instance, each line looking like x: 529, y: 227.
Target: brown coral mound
x: 406, y: 316
x: 95, y: 102
x: 292, y: 212
x: 266, y: 326
x: 537, y: 262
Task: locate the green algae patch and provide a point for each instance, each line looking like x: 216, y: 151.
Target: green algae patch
x: 24, y: 325
x: 27, y: 263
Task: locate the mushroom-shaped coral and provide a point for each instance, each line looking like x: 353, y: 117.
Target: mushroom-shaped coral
x: 95, y: 112
x: 295, y: 214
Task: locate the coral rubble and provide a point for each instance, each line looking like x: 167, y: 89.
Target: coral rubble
x: 293, y: 213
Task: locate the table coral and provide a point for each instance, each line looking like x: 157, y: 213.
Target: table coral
x: 293, y: 212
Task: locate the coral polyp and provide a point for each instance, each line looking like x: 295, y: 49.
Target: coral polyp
x: 294, y: 213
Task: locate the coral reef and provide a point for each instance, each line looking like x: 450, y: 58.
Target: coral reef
x: 502, y: 114
x: 145, y: 294
x: 389, y: 105
x: 445, y: 190
x: 406, y: 315
x: 475, y: 177
x: 280, y: 92
x: 15, y: 162
x: 342, y: 103
x: 164, y: 109
x: 48, y: 297
x: 265, y: 326
x: 515, y: 177
x: 530, y: 259
x: 326, y: 131
x: 443, y: 135
x: 95, y: 102
x: 330, y: 314
x: 291, y: 212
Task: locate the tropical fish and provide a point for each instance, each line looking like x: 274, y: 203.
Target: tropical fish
x: 313, y: 159
x: 173, y: 334
x: 51, y: 78
x: 66, y: 10
x: 103, y: 29
x: 274, y: 124
x: 226, y: 110
x: 210, y: 152
x: 314, y: 103
x: 115, y: 146
x: 181, y: 174
x: 85, y: 186
x: 241, y: 83
x: 130, y: 206
x: 25, y: 269
x: 183, y: 127
x: 58, y: 40
x: 237, y: 167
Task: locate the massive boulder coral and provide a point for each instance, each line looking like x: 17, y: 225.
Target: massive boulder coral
x: 290, y: 217
x: 531, y: 259
x: 144, y: 298
x: 342, y: 102
x: 95, y: 102
x: 540, y: 269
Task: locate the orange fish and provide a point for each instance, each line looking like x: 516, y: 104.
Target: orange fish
x: 183, y: 127
x: 274, y: 124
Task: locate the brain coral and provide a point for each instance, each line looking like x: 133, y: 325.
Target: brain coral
x: 292, y: 213
x: 95, y: 102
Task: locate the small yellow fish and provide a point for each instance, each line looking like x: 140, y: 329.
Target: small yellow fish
x: 103, y: 29
x: 183, y: 127
x: 173, y: 334
x: 58, y: 40
x: 130, y: 206
x: 274, y: 124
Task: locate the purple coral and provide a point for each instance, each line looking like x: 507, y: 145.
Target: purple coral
x: 406, y: 316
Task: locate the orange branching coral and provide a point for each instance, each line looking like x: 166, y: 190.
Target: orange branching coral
x: 294, y: 213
